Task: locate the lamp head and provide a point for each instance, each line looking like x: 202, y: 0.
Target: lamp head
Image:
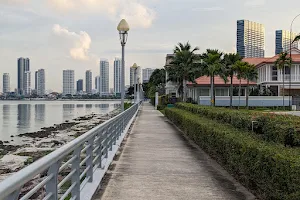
x: 123, y: 26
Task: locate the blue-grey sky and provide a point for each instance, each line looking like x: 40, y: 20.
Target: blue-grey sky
x: 75, y: 34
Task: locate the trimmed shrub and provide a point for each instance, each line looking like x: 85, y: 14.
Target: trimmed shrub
x: 270, y: 170
x: 284, y: 129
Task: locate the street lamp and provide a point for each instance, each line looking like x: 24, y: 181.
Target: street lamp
x: 123, y: 29
x: 291, y: 43
x: 135, y: 67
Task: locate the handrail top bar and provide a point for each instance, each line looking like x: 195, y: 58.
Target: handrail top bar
x: 17, y: 180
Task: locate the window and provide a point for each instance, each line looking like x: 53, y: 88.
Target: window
x: 274, y: 73
x: 221, y: 92
x: 204, y: 92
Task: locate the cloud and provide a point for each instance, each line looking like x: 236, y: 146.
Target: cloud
x: 81, y: 42
x: 13, y: 1
x: 209, y: 9
x: 255, y: 2
x: 136, y: 13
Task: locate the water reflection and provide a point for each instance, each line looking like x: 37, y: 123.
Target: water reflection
x: 68, y: 111
x: 79, y: 105
x: 39, y: 110
x: 6, y: 115
x: 24, y: 115
x: 102, y: 105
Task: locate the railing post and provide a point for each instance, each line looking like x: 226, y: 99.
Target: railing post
x: 106, y: 141
x: 51, y: 186
x: 99, y: 151
x: 76, y: 176
x: 89, y: 161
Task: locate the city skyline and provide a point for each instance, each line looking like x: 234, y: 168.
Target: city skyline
x: 47, y: 34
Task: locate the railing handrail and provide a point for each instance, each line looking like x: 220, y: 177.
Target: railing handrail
x: 17, y: 180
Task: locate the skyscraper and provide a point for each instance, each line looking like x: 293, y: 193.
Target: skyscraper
x: 27, y: 83
x: 147, y: 74
x: 88, y: 82
x: 79, y: 85
x: 117, y: 75
x: 97, y: 83
x: 40, y: 82
x: 250, y: 39
x: 282, y: 41
x: 6, y: 83
x: 23, y: 67
x: 68, y: 82
x: 104, y: 78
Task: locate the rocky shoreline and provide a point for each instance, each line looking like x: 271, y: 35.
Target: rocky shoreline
x: 40, y: 143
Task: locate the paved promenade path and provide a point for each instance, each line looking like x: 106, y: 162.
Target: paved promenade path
x: 158, y: 163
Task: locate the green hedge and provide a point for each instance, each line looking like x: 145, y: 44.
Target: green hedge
x: 270, y: 170
x: 284, y: 129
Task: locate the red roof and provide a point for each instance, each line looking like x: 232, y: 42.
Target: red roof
x: 205, y: 80
x: 260, y: 61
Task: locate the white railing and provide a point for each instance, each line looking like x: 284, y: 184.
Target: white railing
x: 75, y: 170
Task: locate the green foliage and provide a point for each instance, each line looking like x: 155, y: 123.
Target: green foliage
x: 270, y: 170
x: 156, y: 83
x: 283, y: 129
x: 127, y: 105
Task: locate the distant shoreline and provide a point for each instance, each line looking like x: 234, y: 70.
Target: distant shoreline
x: 60, y: 100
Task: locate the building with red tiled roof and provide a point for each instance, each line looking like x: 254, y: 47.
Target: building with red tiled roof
x: 271, y: 77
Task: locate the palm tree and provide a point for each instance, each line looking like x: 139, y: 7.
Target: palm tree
x: 212, y: 66
x: 229, y: 60
x: 281, y: 63
x: 250, y: 74
x: 240, y: 68
x: 183, y: 67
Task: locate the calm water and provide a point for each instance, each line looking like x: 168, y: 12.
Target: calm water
x: 18, y: 117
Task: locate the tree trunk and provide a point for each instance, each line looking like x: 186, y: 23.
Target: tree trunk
x: 240, y: 88
x: 211, y: 91
x: 183, y: 90
x: 247, y: 95
x: 231, y: 90
x: 283, y: 77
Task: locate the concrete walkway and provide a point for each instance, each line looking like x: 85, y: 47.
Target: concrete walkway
x: 158, y: 163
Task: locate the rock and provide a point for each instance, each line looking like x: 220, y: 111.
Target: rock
x: 12, y: 136
x: 12, y: 163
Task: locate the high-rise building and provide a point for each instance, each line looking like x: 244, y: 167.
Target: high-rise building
x: 27, y: 83
x: 88, y: 82
x: 97, y: 83
x: 68, y: 82
x: 117, y: 75
x: 147, y: 74
x: 23, y: 67
x: 6, y: 83
x: 79, y: 85
x: 250, y: 39
x: 283, y: 39
x: 40, y: 82
x: 104, y: 78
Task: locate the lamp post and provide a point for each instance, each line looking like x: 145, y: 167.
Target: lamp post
x: 291, y: 43
x: 123, y: 29
x: 135, y: 67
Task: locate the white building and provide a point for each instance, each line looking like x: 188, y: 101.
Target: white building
x: 6, y: 83
x: 147, y: 74
x: 117, y: 75
x: 88, y: 81
x: 97, y: 84
x: 171, y: 87
x: 271, y: 77
x: 40, y: 82
x: 104, y: 78
x: 27, y: 83
x: 68, y: 82
x: 23, y: 67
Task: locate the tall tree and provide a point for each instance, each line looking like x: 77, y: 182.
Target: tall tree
x: 250, y: 74
x: 183, y: 68
x: 240, y: 69
x: 229, y: 61
x: 156, y: 82
x: 212, y: 65
x: 281, y: 63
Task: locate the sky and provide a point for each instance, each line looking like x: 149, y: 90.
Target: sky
x: 76, y: 34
